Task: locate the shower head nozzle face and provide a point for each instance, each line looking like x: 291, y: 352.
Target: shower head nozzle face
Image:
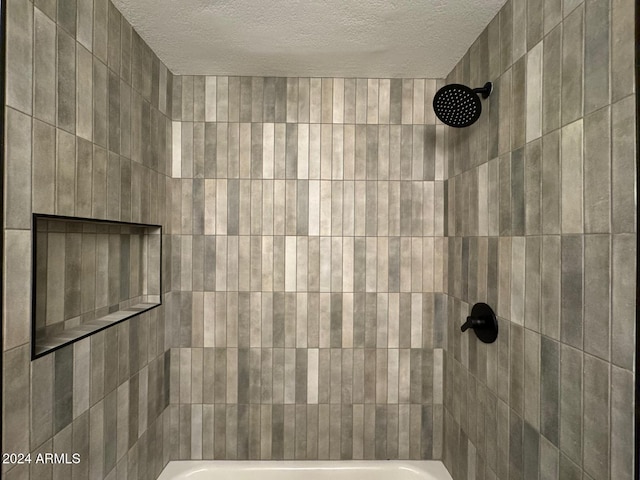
x: 457, y: 105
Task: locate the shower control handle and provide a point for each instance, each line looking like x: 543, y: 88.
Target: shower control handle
x: 483, y: 322
x: 472, y: 322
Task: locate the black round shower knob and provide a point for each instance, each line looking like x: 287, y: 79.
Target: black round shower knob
x: 483, y: 321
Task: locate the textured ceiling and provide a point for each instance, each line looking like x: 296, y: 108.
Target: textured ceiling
x: 327, y: 38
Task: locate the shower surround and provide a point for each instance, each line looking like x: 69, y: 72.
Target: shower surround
x: 541, y: 224
x: 308, y: 258
x: 87, y: 134
x: 323, y: 240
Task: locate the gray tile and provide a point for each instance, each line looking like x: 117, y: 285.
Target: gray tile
x: 187, y: 98
x: 361, y: 100
x: 184, y: 431
x: 549, y: 390
x: 44, y: 68
x: 72, y: 275
x: 568, y: 469
x: 100, y: 32
x: 113, y: 186
x: 175, y: 94
x: 395, y: 109
x: 63, y: 441
x: 572, y: 66
x: 518, y: 192
x: 67, y: 15
x: 571, y: 433
x: 219, y: 446
x: 198, y: 153
x: 506, y: 35
x: 532, y: 380
x: 505, y: 195
x: 551, y: 183
x: 535, y: 22
x: 111, y: 361
x: 84, y: 94
x: 372, y: 153
x: 597, y: 295
x: 233, y: 195
x: 516, y: 369
x: 407, y: 100
x: 41, y: 471
x: 533, y: 188
x: 100, y: 105
x: 596, y: 55
x: 596, y: 424
x: 42, y: 400
x: 516, y: 446
x: 66, y: 82
x: 519, y: 28
x: 493, y: 45
x: 281, y: 99
x: 597, y: 172
x: 552, y: 14
x: 291, y: 156
x: 96, y: 388
x: 551, y: 80
x: 210, y: 150
x: 19, y: 55
x: 49, y: 7
x: 621, y: 424
x: 622, y: 162
x: 301, y: 376
x: 518, y: 101
x: 493, y: 210
x: 63, y: 388
x: 571, y: 170
x: 548, y: 460
x: 503, y: 90
x: 99, y: 182
x: 55, y: 278
x: 503, y: 439
x: 621, y: 26
x: 622, y: 313
x: 18, y: 166
x: 66, y: 173
x: 113, y: 38
x: 327, y: 101
x: 198, y: 98
x: 84, y: 33
x: 372, y: 100
x: 572, y: 276
x: 16, y: 395
x: 114, y: 112
x: 533, y: 275
x: 269, y: 99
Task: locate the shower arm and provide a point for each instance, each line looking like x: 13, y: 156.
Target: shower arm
x: 484, y: 91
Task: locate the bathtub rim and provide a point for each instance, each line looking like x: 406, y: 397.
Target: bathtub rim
x: 434, y: 468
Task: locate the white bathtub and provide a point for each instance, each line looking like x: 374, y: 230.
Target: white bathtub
x: 307, y: 470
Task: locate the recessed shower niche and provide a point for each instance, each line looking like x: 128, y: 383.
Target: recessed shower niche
x: 89, y: 275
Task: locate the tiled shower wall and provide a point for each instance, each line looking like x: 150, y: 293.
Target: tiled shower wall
x: 341, y: 353
x: 541, y: 225
x: 308, y: 252
x: 87, y: 134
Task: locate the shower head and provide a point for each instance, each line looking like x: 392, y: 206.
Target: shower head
x: 458, y: 105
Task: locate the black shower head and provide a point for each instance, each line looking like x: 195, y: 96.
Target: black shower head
x: 458, y: 105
